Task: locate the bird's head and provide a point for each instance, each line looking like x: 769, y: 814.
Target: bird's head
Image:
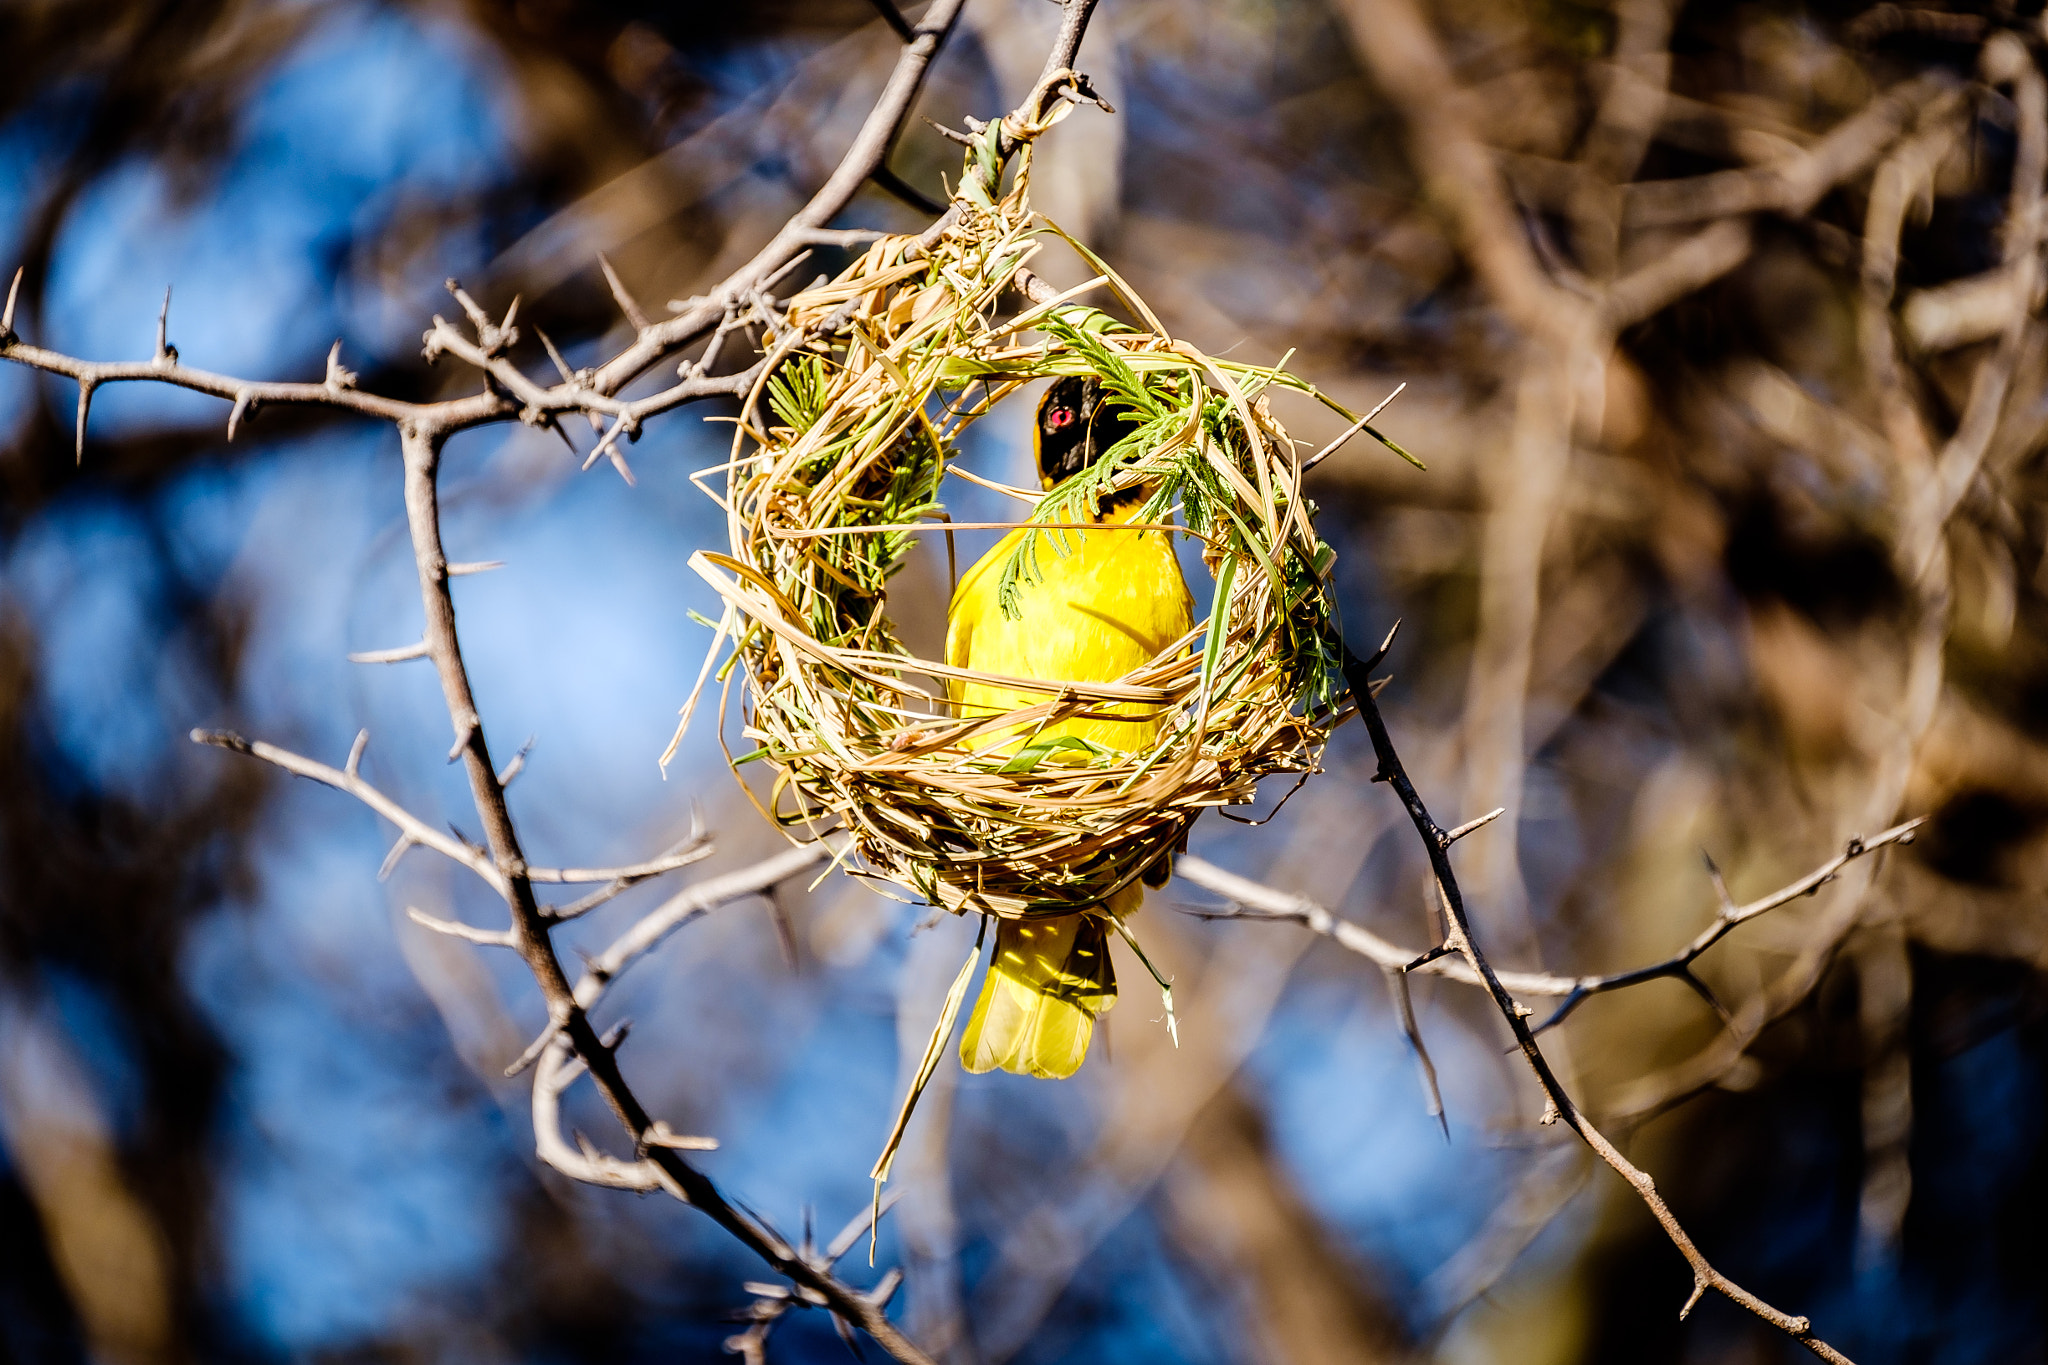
x: 1075, y: 427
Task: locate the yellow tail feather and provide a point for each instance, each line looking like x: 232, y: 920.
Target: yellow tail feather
x: 1036, y: 1013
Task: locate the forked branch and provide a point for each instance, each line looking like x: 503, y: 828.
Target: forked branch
x: 1247, y: 899
x: 1561, y: 1107
x: 570, y: 1046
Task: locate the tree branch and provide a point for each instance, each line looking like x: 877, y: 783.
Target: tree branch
x: 1254, y: 900
x: 1562, y: 1108
x: 413, y: 829
x: 869, y: 150
x: 569, y: 1046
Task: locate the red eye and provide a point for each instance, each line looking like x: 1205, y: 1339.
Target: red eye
x: 1056, y: 418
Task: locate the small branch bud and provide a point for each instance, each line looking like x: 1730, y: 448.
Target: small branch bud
x: 540, y: 1044
x: 244, y: 401
x: 1080, y: 90
x: 416, y: 650
x: 85, y: 388
x: 166, y: 354
x: 561, y: 365
x: 493, y: 938
x: 1441, y: 950
x: 1452, y: 836
x: 399, y: 849
x: 430, y: 341
x: 517, y: 765
x: 476, y: 315
x: 337, y: 377
x: 462, y: 738
x: 951, y: 134
x: 1720, y: 886
x: 661, y: 1135
x: 7, y: 317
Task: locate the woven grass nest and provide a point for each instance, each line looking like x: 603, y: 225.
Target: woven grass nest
x: 839, y: 460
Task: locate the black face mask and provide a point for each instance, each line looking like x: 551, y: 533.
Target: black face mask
x: 1075, y: 428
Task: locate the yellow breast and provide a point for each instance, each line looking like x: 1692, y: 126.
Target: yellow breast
x: 1114, y: 600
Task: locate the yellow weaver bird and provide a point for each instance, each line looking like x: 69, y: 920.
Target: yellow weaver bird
x: 1105, y: 606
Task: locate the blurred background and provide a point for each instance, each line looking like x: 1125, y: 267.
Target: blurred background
x: 1732, y: 541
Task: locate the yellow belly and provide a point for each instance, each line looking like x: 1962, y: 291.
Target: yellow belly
x: 1113, y: 601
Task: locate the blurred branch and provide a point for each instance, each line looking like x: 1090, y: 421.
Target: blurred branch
x: 1405, y: 59
x: 1161, y: 1092
x: 1544, y: 1190
x: 1559, y: 361
x: 1685, y: 268
x: 1570, y: 323
x: 1884, y: 990
x: 1631, y: 108
x: 1928, y: 489
x: 1275, y: 1266
x: 2005, y: 61
x: 1793, y: 186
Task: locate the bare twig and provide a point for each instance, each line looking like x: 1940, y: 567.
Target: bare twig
x: 1254, y: 900
x: 91, y: 375
x: 493, y: 938
x: 594, y: 393
x: 414, y: 829
x: 416, y: 650
x: 695, y: 849
x: 772, y: 1301
x: 570, y: 1033
x: 690, y: 904
x: 1562, y: 1108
